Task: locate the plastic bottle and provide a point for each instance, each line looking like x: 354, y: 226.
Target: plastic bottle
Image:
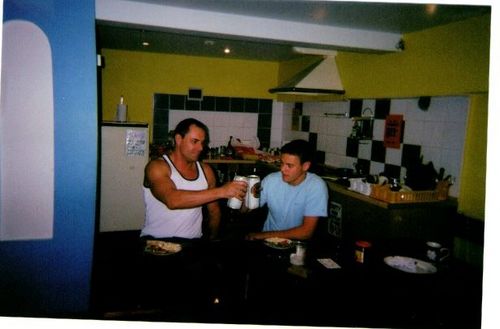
x: 121, y: 111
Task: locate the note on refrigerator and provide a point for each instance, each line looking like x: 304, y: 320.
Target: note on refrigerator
x: 135, y: 142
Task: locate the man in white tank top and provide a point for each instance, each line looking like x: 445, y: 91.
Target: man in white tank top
x: 177, y: 185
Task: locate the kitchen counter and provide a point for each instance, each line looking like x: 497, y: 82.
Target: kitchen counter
x: 339, y: 188
x: 355, y: 216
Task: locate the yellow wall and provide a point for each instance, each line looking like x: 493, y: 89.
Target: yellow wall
x: 472, y: 189
x: 138, y: 75
x: 446, y: 60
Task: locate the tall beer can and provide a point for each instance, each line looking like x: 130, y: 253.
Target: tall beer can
x: 235, y: 203
x: 253, y: 192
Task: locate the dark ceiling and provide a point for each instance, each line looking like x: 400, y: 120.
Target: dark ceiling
x: 384, y: 17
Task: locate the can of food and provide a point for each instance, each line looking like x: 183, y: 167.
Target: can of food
x: 361, y: 251
x: 235, y: 203
x: 253, y: 192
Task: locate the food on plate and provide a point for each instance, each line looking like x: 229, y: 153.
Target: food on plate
x: 279, y: 242
x: 157, y: 247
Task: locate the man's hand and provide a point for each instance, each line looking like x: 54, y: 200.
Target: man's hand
x: 236, y: 189
x: 256, y: 236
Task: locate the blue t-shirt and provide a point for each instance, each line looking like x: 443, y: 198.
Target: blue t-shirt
x: 289, y: 204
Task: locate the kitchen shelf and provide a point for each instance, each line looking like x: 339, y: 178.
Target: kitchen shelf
x: 229, y: 161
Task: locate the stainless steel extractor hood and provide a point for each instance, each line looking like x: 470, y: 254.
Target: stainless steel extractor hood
x: 320, y: 78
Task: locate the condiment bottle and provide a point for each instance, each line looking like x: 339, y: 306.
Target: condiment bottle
x: 361, y: 252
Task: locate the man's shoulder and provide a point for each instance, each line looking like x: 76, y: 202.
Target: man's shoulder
x: 273, y: 176
x: 159, y: 161
x: 157, y: 164
x: 315, y: 180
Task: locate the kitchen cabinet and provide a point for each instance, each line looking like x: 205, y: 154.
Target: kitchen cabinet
x: 360, y: 217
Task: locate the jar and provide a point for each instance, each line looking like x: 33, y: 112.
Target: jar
x: 361, y: 251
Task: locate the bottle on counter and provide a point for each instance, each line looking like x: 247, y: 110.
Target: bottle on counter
x: 121, y: 111
x: 230, y: 148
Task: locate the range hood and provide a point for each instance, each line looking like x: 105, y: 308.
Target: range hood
x: 320, y: 78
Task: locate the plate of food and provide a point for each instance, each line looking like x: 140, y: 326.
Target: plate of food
x: 279, y: 243
x: 162, y: 248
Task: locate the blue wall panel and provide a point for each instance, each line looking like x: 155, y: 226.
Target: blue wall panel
x: 45, y: 277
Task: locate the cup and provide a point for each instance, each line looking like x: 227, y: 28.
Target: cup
x: 356, y: 184
x: 436, y: 252
x: 299, y: 256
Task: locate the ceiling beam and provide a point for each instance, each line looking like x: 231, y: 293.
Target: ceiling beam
x: 237, y: 26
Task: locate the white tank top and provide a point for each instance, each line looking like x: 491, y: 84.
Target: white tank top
x: 162, y: 222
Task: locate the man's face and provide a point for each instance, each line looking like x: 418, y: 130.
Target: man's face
x: 292, y: 171
x: 192, y: 144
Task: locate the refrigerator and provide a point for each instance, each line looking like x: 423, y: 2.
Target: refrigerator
x: 124, y: 154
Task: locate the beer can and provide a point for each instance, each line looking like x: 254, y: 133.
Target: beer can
x: 235, y: 203
x: 253, y: 192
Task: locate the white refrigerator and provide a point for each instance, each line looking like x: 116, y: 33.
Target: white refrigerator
x: 124, y: 154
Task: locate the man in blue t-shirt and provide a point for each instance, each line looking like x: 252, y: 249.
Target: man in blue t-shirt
x: 296, y: 198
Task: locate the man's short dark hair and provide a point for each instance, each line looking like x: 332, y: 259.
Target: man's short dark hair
x: 301, y: 148
x: 182, y: 128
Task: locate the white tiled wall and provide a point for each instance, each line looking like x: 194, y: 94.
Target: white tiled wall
x: 333, y: 128
x: 220, y: 124
x: 440, y: 131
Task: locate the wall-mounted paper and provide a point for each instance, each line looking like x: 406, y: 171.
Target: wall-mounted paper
x: 136, y: 142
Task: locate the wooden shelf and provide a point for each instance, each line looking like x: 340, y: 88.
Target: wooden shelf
x: 229, y: 161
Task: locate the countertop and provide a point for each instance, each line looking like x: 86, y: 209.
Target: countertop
x: 339, y: 188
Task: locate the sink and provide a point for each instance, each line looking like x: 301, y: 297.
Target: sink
x: 410, y: 265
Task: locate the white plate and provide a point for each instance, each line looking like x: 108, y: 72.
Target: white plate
x: 162, y: 248
x: 410, y: 265
x: 279, y: 243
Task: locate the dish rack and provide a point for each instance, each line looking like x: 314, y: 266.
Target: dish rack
x: 384, y: 193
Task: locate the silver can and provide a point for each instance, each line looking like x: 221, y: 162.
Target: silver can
x: 253, y: 192
x: 235, y: 203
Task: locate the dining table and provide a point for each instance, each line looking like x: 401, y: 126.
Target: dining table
x: 234, y: 280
